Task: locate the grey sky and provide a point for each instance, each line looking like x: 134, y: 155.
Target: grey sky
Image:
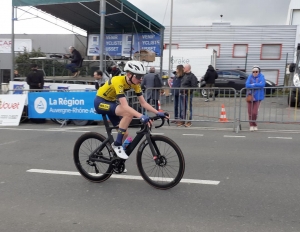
x: 186, y: 12
x: 204, y: 12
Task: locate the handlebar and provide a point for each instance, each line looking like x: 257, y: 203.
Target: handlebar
x: 146, y: 127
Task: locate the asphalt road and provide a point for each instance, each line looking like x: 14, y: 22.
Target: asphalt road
x: 257, y: 174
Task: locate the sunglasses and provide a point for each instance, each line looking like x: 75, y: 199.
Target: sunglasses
x: 138, y: 76
x: 255, y: 72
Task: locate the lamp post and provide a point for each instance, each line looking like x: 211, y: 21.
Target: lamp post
x: 170, y: 39
x: 102, y: 26
x: 12, y: 44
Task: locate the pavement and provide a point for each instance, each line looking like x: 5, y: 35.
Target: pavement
x: 246, y: 181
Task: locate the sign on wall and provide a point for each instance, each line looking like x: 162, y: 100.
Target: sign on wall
x: 11, y: 108
x: 62, y: 105
x: 20, y: 45
x: 123, y: 44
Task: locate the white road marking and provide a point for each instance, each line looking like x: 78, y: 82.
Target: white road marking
x: 45, y: 130
x: 157, y: 133
x: 77, y: 131
x: 234, y: 136
x: 127, y: 177
x: 82, y: 127
x: 26, y: 129
x: 8, y: 142
x: 194, y: 134
x: 196, y: 128
x: 280, y: 138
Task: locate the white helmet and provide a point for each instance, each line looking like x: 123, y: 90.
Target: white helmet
x: 135, y: 67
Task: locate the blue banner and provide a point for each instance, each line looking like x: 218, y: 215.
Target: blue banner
x: 124, y: 44
x: 18, y: 89
x: 149, y: 42
x: 113, y: 44
x: 62, y: 105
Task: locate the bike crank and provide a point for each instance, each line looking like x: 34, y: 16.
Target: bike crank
x: 118, y: 166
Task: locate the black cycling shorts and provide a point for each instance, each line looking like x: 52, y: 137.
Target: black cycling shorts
x: 103, y: 106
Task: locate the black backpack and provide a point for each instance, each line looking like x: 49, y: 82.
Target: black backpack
x: 157, y: 81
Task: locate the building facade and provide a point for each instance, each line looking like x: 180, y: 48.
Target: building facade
x: 241, y: 47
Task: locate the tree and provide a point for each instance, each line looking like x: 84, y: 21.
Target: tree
x: 23, y: 63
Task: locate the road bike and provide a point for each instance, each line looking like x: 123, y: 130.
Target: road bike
x: 159, y: 159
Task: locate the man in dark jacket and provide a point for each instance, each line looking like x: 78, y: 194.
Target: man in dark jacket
x: 76, y: 60
x: 151, y: 96
x: 189, y: 80
x: 35, y: 79
x: 210, y: 76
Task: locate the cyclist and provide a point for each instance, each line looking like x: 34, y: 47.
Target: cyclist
x: 121, y: 114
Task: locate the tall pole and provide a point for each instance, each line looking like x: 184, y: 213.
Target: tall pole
x: 12, y: 44
x: 162, y: 31
x: 170, y: 39
x: 102, y: 26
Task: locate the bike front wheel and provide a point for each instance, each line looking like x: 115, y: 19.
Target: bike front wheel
x: 94, y: 171
x: 166, y: 173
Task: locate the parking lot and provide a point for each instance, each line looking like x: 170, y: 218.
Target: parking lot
x: 233, y: 182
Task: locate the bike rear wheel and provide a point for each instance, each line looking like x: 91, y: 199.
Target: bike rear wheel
x: 170, y: 169
x: 93, y: 171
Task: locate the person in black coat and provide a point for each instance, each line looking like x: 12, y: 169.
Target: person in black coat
x: 210, y: 76
x: 35, y: 79
x: 189, y: 80
x: 176, y: 83
x: 76, y: 60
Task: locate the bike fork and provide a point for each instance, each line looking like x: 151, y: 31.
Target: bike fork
x: 154, y: 149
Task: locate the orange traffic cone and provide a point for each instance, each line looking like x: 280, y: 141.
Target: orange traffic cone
x: 159, y: 107
x: 223, y: 115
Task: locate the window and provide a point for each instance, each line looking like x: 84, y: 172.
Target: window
x: 270, y: 51
x: 216, y: 47
x: 240, y: 50
x: 5, y: 76
x: 296, y: 17
x: 235, y: 75
x: 174, y: 46
x: 271, y: 75
x: 226, y: 74
x: 220, y: 73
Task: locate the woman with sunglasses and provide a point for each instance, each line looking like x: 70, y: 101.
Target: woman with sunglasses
x: 121, y: 113
x: 255, y: 83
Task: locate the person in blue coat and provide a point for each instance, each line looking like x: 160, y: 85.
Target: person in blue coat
x: 255, y: 84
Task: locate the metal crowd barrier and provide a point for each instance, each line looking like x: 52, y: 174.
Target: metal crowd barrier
x: 222, y: 108
x: 273, y: 109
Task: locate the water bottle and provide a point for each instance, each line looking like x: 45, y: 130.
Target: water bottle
x: 127, y: 142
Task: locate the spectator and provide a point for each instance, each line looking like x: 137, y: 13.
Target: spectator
x: 114, y: 71
x: 175, y: 92
x: 151, y: 96
x: 99, y: 79
x: 76, y: 60
x: 210, y: 76
x: 255, y: 83
x: 186, y: 95
x: 16, y: 73
x: 35, y: 79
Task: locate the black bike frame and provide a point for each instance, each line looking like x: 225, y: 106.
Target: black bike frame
x: 136, y: 140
